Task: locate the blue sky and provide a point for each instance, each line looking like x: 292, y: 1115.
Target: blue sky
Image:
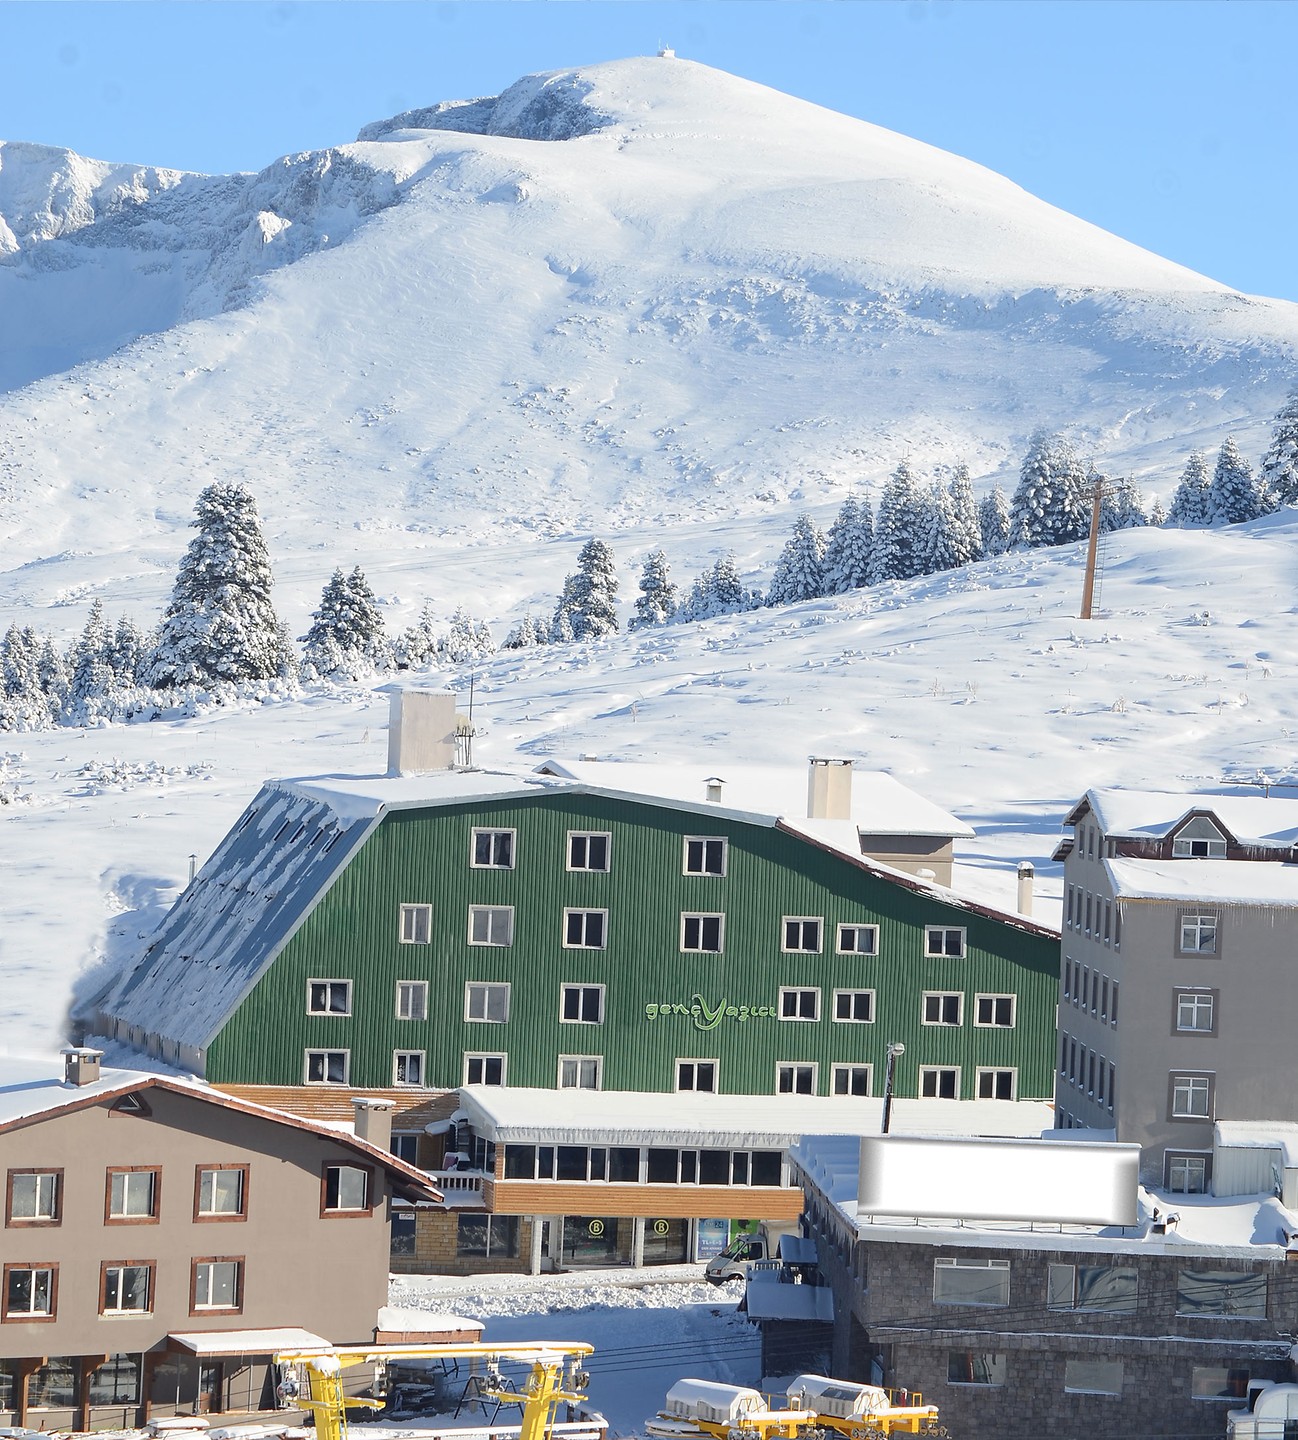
x: 1170, y: 123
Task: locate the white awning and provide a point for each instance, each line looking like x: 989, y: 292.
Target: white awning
x: 770, y: 1300
x: 248, y: 1342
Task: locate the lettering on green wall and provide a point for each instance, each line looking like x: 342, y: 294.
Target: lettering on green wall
x: 708, y: 1017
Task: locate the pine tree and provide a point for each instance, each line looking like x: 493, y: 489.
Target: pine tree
x: 525, y: 634
x: 467, y: 640
x: 1235, y: 495
x: 126, y: 652
x: 848, y: 546
x: 1192, y: 502
x: 800, y: 570
x: 90, y: 664
x: 729, y: 595
x: 658, y: 598
x: 935, y: 544
x: 416, y: 646
x: 1121, y: 506
x: 347, y: 635
x: 1157, y: 515
x: 53, y: 677
x: 994, y: 522
x: 589, y: 598
x: 966, y: 533
x: 221, y: 623
x: 899, y: 521
x: 1280, y: 463
x: 23, y: 705
x: 1051, y: 504
x: 562, y: 628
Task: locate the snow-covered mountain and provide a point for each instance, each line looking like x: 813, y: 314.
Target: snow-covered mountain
x: 645, y: 298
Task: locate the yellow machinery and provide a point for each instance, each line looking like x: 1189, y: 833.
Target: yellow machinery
x: 819, y: 1409
x: 557, y: 1378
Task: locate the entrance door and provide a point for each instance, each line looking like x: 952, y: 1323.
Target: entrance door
x: 209, y: 1387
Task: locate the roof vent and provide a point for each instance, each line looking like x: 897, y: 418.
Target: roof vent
x: 829, y: 789
x: 81, y: 1065
x: 713, y: 786
x: 1027, y: 875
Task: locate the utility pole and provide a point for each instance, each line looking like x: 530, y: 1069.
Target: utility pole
x: 1092, y: 546
x: 895, y: 1050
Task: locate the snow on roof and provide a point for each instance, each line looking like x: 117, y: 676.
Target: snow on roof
x: 353, y: 797
x: 250, y: 1342
x: 1281, y: 1135
x: 1153, y: 814
x: 404, y: 1320
x: 1214, y: 882
x: 564, y: 1117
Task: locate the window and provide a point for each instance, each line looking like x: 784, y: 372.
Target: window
x: 858, y: 940
x: 484, y: 1069
x: 974, y: 1367
x: 795, y: 1079
x: 407, y: 1067
x: 327, y: 1067
x: 126, y: 1289
x: 1092, y: 1287
x: 220, y: 1193
x: 492, y: 850
x: 971, y: 1282
x: 580, y: 1072
x: 416, y: 924
x: 589, y: 849
x: 132, y: 1196
x: 581, y: 1004
x: 1199, y: 839
x: 939, y: 940
x: 706, y: 855
x: 993, y: 1084
x: 30, y: 1292
x: 1093, y: 1377
x: 1195, y: 1012
x: 405, y: 1147
x: 1191, y: 1097
x: 35, y: 1197
x: 939, y: 1082
x: 702, y: 932
x: 802, y: 933
x: 1222, y: 1293
x: 491, y: 924
x: 412, y: 999
x: 943, y: 1007
x: 585, y: 929
x: 117, y: 1381
x: 486, y: 1235
x: 346, y: 1190
x: 696, y: 1075
x: 1219, y: 1382
x: 328, y: 997
x: 486, y: 1002
x: 216, y: 1284
x: 855, y: 1006
x: 1198, y: 934
x: 851, y: 1079
x: 799, y: 1004
x: 994, y: 1010
x: 1187, y: 1174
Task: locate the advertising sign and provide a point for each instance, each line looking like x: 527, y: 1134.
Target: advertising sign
x: 710, y: 1238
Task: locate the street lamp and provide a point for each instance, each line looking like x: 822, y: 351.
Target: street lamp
x: 895, y: 1051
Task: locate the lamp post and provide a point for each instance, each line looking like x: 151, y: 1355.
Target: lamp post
x: 895, y: 1051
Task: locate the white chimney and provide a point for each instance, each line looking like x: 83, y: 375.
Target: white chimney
x: 81, y: 1065
x: 713, y: 791
x: 421, y: 732
x: 373, y: 1120
x: 829, y: 789
x: 1026, y: 875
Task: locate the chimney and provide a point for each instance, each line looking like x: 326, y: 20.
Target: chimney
x: 1026, y: 876
x: 714, y: 784
x: 373, y: 1120
x: 421, y: 732
x: 829, y: 789
x: 81, y: 1065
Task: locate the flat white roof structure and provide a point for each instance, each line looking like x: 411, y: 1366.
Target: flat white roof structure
x: 1208, y: 882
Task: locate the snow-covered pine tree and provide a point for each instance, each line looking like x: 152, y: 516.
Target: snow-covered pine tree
x: 1157, y: 515
x: 1235, y: 495
x: 848, y: 546
x: 936, y: 541
x: 562, y: 626
x: 221, y: 622
x: 800, y: 570
x: 1280, y: 463
x: 1192, y: 501
x: 966, y: 533
x: 658, y: 598
x: 23, y: 705
x: 900, y: 520
x: 1121, y: 504
x: 1052, y: 502
x: 416, y: 646
x: 53, y: 676
x: 595, y: 613
x: 347, y: 635
x: 90, y: 668
x: 994, y: 522
x: 729, y: 595
x: 467, y: 640
x: 525, y: 634
x: 127, y: 651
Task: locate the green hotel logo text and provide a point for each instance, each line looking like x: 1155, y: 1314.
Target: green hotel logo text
x: 708, y: 1017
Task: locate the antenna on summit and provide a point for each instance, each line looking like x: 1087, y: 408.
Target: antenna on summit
x: 665, y: 52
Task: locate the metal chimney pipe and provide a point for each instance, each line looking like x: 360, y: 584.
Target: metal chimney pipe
x: 1026, y: 876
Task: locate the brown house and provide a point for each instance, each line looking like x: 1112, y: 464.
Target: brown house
x: 161, y: 1240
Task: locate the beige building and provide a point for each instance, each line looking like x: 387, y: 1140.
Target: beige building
x: 161, y: 1240
x: 1176, y: 1003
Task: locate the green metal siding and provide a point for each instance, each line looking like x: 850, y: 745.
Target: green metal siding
x: 422, y: 856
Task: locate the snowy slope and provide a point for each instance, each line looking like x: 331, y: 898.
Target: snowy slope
x: 644, y: 297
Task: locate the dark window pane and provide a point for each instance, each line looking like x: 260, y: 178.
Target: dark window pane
x: 766, y: 1167
x: 624, y: 1164
x: 739, y: 1167
x: 662, y: 1166
x: 689, y: 1167
x: 597, y: 852
x: 520, y: 1162
x: 572, y: 1162
x: 714, y: 1167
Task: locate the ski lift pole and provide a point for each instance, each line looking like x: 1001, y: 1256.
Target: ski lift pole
x: 1092, y: 547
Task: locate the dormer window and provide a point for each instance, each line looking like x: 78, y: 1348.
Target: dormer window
x: 1199, y: 839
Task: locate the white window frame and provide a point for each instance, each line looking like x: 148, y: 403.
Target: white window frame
x: 957, y: 995
x: 492, y: 911
x: 326, y: 1051
x: 119, y: 1308
x: 1112, y: 1385
x: 470, y: 986
x: 51, y: 1273
x: 800, y: 990
x: 995, y: 1024
x: 596, y: 1060
x: 484, y: 1056
x: 215, y: 1194
x: 794, y: 1066
x: 330, y: 981
x: 1188, y: 1085
x: 210, y: 1266
x: 854, y: 1019
x: 582, y: 944
x: 705, y: 841
x: 46, y: 1194
x: 1011, y: 1070
x: 588, y: 836
x: 1199, y: 924
x: 1198, y: 1001
x: 871, y: 930
x: 493, y: 831
x: 415, y: 924
x: 695, y: 1089
x: 944, y: 954
x: 420, y: 1057
x: 583, y: 986
x: 938, y: 1070
x: 849, y: 1069
x: 1185, y: 1160
x: 416, y: 988
x: 802, y: 921
x: 988, y: 1267
x: 700, y: 916
x: 367, y: 1190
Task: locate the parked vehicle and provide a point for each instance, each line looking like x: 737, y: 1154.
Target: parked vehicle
x: 760, y: 1244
